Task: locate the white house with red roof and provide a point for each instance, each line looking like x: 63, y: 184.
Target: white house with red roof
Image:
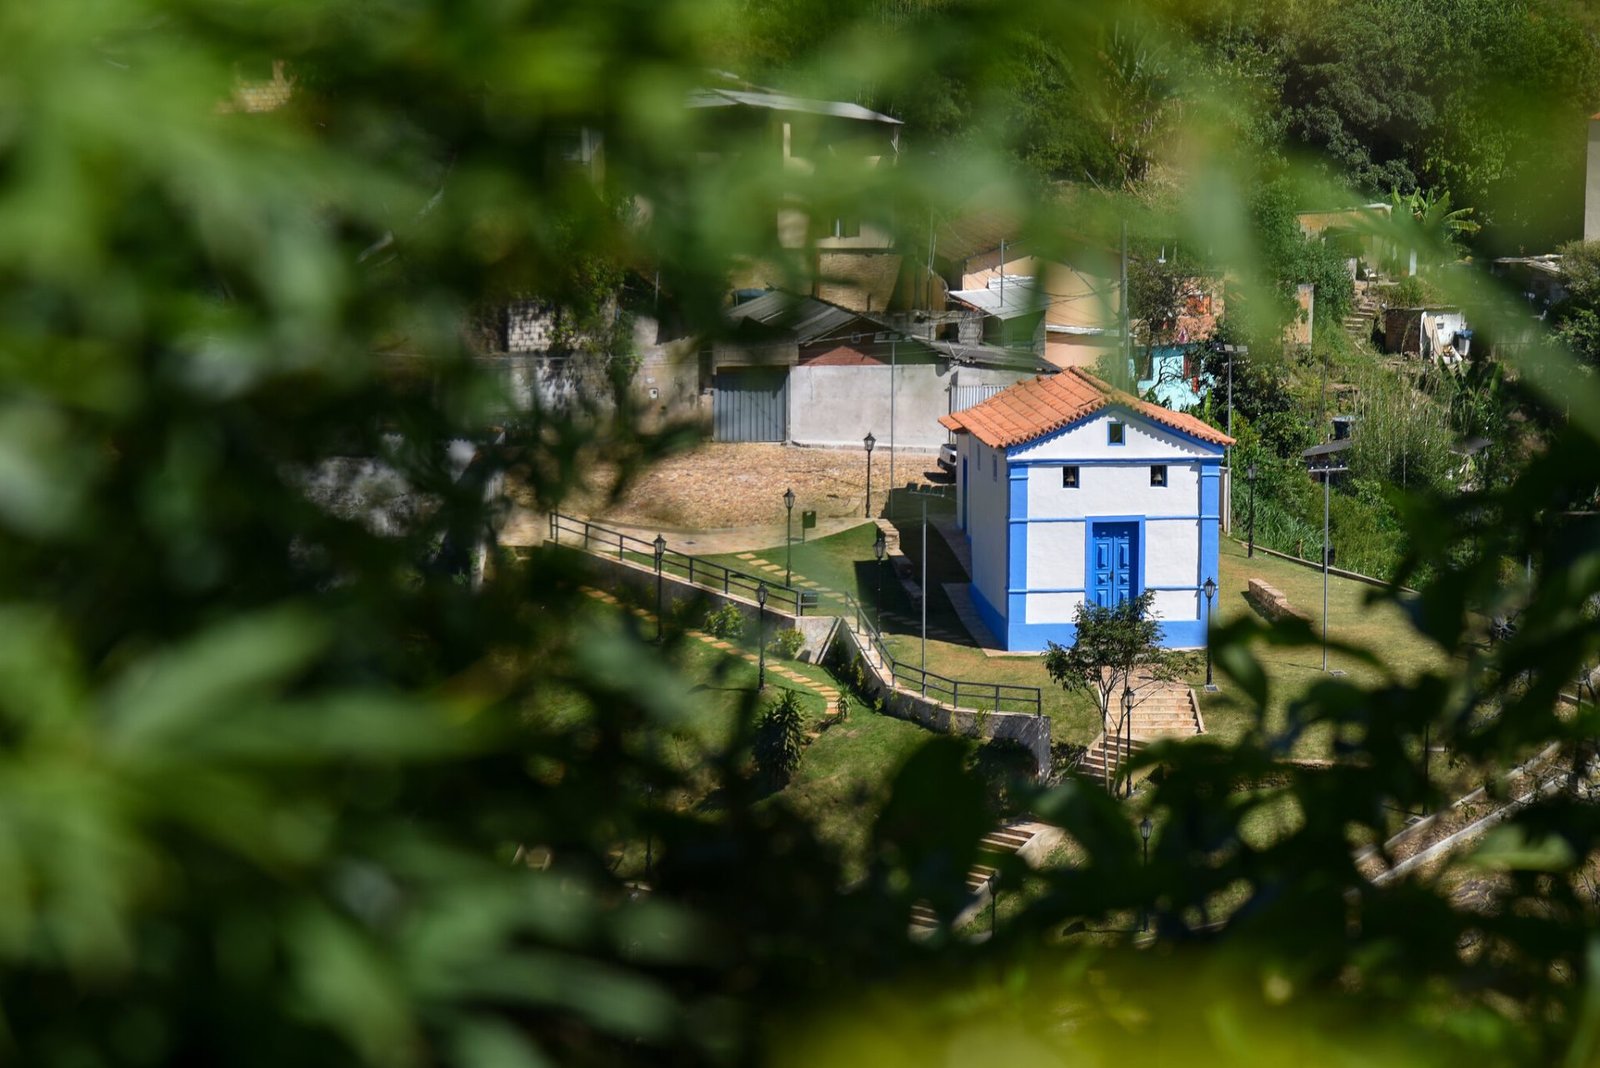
x: 1070, y: 490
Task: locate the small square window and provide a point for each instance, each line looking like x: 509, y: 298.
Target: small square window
x: 1158, y: 475
x: 1114, y: 433
x: 1069, y: 478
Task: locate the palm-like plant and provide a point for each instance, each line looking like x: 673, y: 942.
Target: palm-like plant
x: 1432, y: 227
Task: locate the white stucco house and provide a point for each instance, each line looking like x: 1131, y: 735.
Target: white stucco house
x: 1068, y: 490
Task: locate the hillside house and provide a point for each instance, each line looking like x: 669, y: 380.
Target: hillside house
x: 800, y: 370
x: 1069, y: 490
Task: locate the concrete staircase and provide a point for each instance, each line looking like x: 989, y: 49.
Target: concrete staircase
x: 1161, y: 709
x: 1105, y: 755
x: 1360, y: 322
x: 1027, y: 840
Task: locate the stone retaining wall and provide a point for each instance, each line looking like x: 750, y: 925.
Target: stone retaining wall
x: 1030, y: 732
x: 1270, y: 602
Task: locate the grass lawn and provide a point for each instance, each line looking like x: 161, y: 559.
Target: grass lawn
x: 1382, y: 628
x: 843, y: 776
x: 845, y: 562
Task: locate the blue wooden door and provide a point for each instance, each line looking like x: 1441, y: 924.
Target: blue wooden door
x: 1113, y: 560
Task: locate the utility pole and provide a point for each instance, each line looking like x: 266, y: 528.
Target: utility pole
x: 1127, y: 341
x: 892, y: 339
x: 1327, y: 476
x: 1002, y: 275
x: 924, y: 595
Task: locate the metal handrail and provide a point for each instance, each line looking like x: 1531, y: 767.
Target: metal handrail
x: 698, y: 572
x: 999, y: 696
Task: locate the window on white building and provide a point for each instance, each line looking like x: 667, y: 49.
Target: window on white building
x: 1116, y: 433
x: 1158, y: 475
x: 1069, y: 478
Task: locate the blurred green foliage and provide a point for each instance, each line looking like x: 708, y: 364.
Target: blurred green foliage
x: 276, y: 788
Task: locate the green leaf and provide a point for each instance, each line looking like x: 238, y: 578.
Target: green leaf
x: 166, y: 696
x: 1509, y: 848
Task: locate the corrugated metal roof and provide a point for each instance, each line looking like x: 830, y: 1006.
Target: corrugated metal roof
x: 1045, y: 404
x: 725, y: 98
x: 808, y: 318
x: 1018, y: 297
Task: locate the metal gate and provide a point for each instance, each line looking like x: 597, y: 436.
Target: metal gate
x: 964, y: 397
x: 751, y: 404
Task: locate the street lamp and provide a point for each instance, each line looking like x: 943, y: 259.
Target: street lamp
x: 1145, y: 827
x: 761, y: 634
x: 1127, y: 732
x: 661, y: 549
x: 1250, y: 480
x: 788, y: 536
x: 1210, y: 589
x: 869, y: 441
x: 880, y: 549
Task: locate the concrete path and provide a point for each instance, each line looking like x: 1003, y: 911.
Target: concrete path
x: 527, y: 527
x: 829, y: 694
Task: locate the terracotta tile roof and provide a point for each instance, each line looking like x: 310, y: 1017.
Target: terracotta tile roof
x: 1032, y: 409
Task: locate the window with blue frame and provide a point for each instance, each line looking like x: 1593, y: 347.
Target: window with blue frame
x: 1116, y: 433
x: 1069, y: 478
x: 1158, y: 474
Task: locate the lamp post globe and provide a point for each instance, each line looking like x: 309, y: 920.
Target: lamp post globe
x: 660, y: 545
x: 869, y: 441
x: 761, y: 634
x: 1210, y: 590
x: 788, y: 536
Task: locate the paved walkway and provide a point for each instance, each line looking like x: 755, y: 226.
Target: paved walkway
x: 527, y: 527
x: 828, y: 693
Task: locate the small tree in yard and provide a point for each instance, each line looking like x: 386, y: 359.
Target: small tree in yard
x: 1111, y: 644
x: 780, y: 738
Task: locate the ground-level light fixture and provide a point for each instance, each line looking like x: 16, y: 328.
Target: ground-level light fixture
x: 761, y: 634
x: 788, y: 536
x: 660, y: 545
x: 1210, y: 590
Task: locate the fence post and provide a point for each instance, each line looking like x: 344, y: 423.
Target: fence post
x: 726, y: 574
x: 997, y: 697
x: 555, y: 529
x: 619, y: 547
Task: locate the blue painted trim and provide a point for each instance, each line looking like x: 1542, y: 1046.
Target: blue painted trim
x: 1031, y: 637
x: 986, y: 612
x: 1210, y: 540
x: 1085, y: 519
x: 1088, y: 548
x: 1127, y: 415
x: 1176, y: 459
x: 1052, y: 589
x: 1017, y: 543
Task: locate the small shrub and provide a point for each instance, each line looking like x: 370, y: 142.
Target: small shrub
x: 724, y: 622
x: 780, y: 739
x: 786, y: 643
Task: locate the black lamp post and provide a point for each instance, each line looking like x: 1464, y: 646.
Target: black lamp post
x: 661, y: 550
x: 1250, y: 480
x: 869, y: 441
x: 1127, y: 733
x: 1210, y: 589
x: 1145, y: 827
x: 788, y: 536
x: 761, y: 634
x: 880, y: 549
